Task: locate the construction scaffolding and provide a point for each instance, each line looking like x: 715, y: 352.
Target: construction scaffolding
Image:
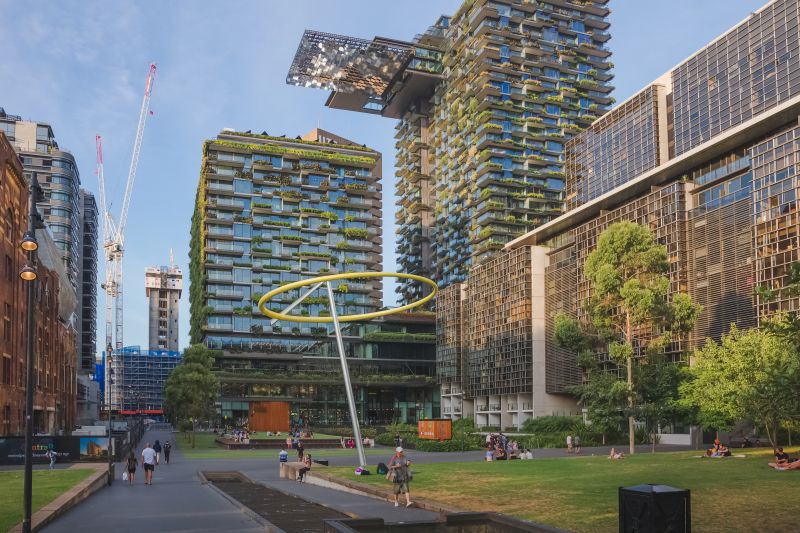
x: 143, y: 378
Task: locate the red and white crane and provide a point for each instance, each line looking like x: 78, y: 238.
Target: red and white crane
x: 114, y: 246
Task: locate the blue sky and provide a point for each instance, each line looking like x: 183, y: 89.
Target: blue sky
x: 81, y: 66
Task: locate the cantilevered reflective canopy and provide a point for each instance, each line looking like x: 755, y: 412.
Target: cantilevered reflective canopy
x: 347, y: 64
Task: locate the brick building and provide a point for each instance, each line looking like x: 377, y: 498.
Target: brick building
x: 55, y: 301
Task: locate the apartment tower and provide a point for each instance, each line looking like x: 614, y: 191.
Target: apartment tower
x: 163, y: 287
x: 485, y: 100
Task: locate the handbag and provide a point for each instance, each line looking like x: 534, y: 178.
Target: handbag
x: 124, y: 475
x: 391, y: 475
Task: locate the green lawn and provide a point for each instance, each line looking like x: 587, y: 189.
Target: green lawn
x: 206, y: 448
x: 580, y: 493
x: 47, y: 486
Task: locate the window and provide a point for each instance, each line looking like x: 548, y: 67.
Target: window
x: 8, y: 128
x: 42, y: 133
x: 9, y: 269
x: 7, y: 322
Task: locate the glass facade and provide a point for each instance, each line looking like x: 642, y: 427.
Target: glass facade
x: 392, y: 365
x: 616, y: 148
x: 748, y: 70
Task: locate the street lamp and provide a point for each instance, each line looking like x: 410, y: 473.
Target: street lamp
x: 29, y: 275
x: 109, y: 349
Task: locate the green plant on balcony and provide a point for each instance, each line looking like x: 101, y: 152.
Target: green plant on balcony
x: 324, y: 270
x: 324, y: 312
x: 324, y: 226
x: 315, y: 254
x: 349, y: 218
x: 293, y: 238
x: 291, y: 195
x: 342, y: 244
x: 310, y: 210
x: 587, y: 83
x: 355, y: 187
x: 333, y: 217
x: 386, y: 336
x: 343, y: 288
x: 319, y: 332
x: 277, y: 329
x: 349, y: 261
x: 243, y: 311
x: 592, y: 72
x: 355, y: 233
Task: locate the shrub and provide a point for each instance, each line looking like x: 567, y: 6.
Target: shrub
x: 551, y: 424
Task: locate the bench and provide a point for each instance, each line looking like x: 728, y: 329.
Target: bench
x: 289, y: 470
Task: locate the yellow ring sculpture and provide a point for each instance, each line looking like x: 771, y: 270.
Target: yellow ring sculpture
x: 344, y: 318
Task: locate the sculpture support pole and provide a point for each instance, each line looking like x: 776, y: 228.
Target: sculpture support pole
x: 351, y: 402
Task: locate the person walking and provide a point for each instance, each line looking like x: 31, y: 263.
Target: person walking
x: 157, y: 448
x: 131, y: 467
x: 301, y: 450
x: 149, y: 463
x: 167, y: 449
x: 52, y: 455
x: 400, y: 465
x: 569, y: 443
x: 577, y: 442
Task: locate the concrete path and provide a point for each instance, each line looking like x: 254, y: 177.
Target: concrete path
x: 178, y: 501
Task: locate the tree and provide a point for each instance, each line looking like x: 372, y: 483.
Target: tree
x: 753, y: 375
x: 604, y: 396
x: 602, y: 393
x: 191, y: 388
x: 630, y: 306
x: 656, y: 383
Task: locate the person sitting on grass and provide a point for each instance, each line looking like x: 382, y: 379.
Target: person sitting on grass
x: 489, y: 453
x: 784, y: 462
x: 616, y: 455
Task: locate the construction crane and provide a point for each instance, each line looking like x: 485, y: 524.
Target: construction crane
x: 114, y: 247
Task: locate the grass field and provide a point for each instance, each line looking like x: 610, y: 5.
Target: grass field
x: 581, y: 493
x: 206, y: 448
x: 47, y: 486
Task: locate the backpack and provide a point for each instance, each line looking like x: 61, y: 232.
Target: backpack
x: 382, y: 468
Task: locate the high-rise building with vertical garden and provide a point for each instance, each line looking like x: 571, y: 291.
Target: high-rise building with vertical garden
x: 486, y: 99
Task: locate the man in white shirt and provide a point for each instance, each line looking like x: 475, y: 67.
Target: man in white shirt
x: 149, y: 462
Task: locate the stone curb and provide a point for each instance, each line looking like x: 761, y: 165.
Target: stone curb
x: 69, y: 499
x: 346, y: 485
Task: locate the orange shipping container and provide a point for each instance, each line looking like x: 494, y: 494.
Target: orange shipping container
x: 435, y: 429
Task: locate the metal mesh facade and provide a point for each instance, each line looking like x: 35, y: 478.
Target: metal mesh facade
x: 449, y: 361
x: 561, y: 282
x: 775, y: 191
x: 497, y: 329
x: 341, y: 63
x: 753, y: 67
x: 720, y: 247
x: 616, y: 148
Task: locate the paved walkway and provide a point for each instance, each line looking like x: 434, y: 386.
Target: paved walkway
x: 178, y: 501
